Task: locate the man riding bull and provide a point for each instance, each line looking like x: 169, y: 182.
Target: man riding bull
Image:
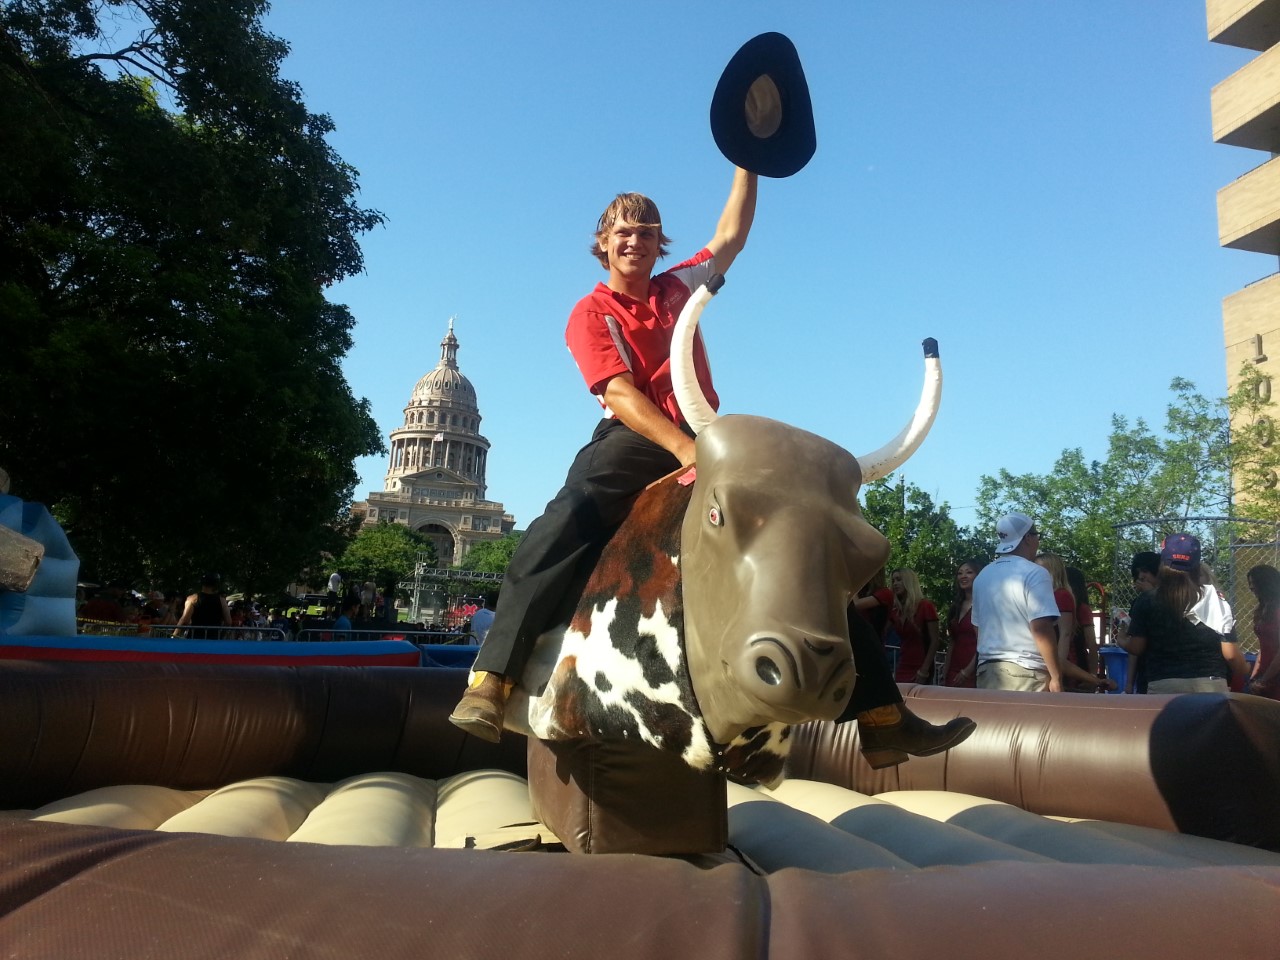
x: 620, y: 337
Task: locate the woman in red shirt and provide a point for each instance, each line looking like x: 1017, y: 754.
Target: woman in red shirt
x: 916, y: 621
x: 1264, y: 581
x: 1066, y: 603
x: 962, y: 649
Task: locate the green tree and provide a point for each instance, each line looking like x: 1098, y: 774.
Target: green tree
x: 1145, y: 476
x: 170, y: 215
x: 492, y: 556
x: 385, y: 553
x: 922, y: 535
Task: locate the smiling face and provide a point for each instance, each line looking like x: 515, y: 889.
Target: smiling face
x: 899, y: 588
x: 964, y: 577
x: 631, y: 251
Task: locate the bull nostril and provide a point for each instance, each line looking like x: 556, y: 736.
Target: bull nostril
x: 839, y: 694
x: 768, y: 671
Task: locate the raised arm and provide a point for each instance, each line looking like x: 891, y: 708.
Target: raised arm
x: 735, y: 220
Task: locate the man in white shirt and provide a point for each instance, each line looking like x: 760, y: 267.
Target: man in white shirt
x: 1015, y: 614
x: 481, y: 621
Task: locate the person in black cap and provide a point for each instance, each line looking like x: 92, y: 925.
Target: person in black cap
x: 1183, y: 628
x: 206, y: 608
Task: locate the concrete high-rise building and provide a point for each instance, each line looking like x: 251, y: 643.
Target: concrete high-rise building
x: 435, y: 480
x: 1246, y: 113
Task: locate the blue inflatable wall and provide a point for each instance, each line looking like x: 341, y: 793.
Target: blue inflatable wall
x: 49, y: 605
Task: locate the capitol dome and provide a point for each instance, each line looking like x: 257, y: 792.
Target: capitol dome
x: 446, y: 382
x: 441, y: 429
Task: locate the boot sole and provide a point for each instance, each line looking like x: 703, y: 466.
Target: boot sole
x: 478, y: 727
x: 960, y: 737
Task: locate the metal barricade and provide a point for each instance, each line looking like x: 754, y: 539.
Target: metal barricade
x: 417, y: 637
x: 257, y: 634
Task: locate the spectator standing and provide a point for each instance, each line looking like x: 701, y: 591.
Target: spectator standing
x: 104, y: 605
x: 342, y: 623
x: 481, y: 621
x: 1264, y: 581
x: 205, y: 608
x: 1015, y: 614
x: 1085, y: 641
x: 1066, y: 601
x: 1144, y: 568
x: 961, y: 666
x: 874, y: 602
x: 915, y: 619
x: 1184, y: 628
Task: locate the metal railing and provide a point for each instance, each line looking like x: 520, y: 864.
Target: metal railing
x: 166, y: 631
x: 259, y: 634
x: 327, y: 634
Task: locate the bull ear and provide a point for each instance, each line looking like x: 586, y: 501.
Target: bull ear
x: 895, y: 453
x: 697, y: 411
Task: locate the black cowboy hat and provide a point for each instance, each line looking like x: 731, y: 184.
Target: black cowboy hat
x: 761, y: 115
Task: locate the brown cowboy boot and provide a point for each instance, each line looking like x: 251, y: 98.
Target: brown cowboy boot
x: 891, y: 734
x: 481, y: 708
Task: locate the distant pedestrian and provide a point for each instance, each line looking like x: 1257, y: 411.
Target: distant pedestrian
x: 1184, y: 628
x: 1015, y: 614
x: 205, y: 609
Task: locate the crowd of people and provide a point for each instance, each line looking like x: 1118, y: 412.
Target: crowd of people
x: 207, y: 613
x: 1023, y: 621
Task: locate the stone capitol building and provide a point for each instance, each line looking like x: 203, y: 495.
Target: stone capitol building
x: 435, y: 482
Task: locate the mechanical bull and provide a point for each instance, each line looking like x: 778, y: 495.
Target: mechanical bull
x: 715, y: 617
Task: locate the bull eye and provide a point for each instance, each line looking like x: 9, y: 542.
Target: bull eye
x: 768, y: 671
x: 714, y: 516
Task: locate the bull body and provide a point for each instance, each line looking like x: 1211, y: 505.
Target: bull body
x: 715, y: 617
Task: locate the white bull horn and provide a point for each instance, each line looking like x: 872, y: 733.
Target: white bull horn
x: 698, y: 413
x: 895, y: 453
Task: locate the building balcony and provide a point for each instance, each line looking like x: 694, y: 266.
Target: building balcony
x: 1246, y: 105
x: 1249, y: 210
x: 1251, y: 24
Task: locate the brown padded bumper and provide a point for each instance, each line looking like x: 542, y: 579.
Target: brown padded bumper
x: 70, y: 727
x: 1205, y: 764
x: 72, y: 893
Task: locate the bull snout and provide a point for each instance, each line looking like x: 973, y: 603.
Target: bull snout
x: 797, y: 676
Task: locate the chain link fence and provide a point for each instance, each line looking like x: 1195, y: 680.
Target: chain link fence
x: 1231, y: 546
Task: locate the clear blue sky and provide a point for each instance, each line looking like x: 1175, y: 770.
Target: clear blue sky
x: 1031, y: 184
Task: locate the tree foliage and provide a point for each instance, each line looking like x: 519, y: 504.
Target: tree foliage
x: 385, y: 553
x: 922, y: 535
x: 492, y: 556
x: 1181, y: 473
x: 170, y: 214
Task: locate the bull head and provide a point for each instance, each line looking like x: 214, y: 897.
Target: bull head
x: 773, y: 548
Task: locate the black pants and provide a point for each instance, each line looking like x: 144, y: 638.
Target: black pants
x: 875, y: 686
x: 605, y: 476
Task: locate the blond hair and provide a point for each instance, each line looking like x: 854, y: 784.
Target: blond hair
x: 910, y: 602
x: 1057, y: 570
x: 634, y: 208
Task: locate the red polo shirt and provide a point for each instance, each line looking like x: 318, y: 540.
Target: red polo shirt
x: 609, y: 333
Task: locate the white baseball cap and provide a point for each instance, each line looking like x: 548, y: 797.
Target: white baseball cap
x: 1010, y: 529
